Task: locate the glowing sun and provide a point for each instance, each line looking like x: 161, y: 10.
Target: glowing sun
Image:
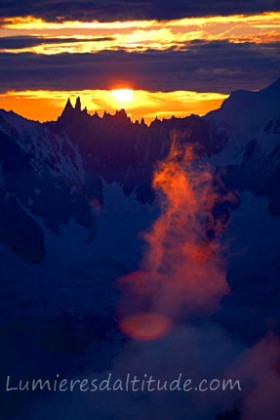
x: 122, y: 96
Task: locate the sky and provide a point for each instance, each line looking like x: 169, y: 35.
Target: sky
x: 151, y: 57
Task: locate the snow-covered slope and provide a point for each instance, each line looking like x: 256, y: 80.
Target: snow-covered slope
x: 42, y: 184
x: 58, y: 154
x: 247, y: 116
x: 249, y: 164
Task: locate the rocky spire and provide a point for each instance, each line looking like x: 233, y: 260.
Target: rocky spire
x: 68, y: 105
x: 78, y: 104
x: 68, y: 109
x: 121, y: 113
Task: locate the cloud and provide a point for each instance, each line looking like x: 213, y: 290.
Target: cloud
x: 19, y: 42
x: 135, y: 36
x: 204, y: 351
x: 196, y: 352
x: 111, y: 10
x: 182, y: 270
x: 246, y: 65
x: 258, y: 368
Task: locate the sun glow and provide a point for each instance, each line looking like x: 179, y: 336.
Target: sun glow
x: 122, y: 96
x: 46, y: 105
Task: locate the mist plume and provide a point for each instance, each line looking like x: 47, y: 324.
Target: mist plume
x: 182, y: 271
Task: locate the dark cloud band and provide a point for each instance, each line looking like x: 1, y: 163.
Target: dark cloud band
x: 19, y: 42
x: 110, y: 10
x: 213, y: 66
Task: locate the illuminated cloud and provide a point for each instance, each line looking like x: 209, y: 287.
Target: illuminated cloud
x: 182, y: 272
x: 145, y: 45
x: 81, y: 37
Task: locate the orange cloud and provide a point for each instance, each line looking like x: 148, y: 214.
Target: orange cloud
x: 142, y: 35
x: 182, y: 272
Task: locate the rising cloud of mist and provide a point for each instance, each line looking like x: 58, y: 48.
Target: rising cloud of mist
x: 182, y: 272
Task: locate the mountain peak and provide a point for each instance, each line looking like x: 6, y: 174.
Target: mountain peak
x: 121, y: 114
x: 78, y: 105
x: 71, y: 113
x: 274, y: 88
x: 68, y: 105
x: 68, y: 109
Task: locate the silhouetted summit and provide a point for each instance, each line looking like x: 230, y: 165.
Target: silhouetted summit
x: 124, y: 151
x: 68, y: 110
x: 78, y: 104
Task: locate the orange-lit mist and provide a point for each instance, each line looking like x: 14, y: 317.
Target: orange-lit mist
x: 42, y: 105
x: 182, y: 272
x: 145, y: 326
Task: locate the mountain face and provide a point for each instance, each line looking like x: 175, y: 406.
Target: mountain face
x: 251, y: 157
x: 54, y: 173
x: 75, y: 198
x: 117, y: 150
x: 250, y: 165
x: 42, y: 184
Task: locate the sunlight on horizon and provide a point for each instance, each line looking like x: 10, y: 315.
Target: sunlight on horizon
x: 122, y: 96
x: 43, y: 105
